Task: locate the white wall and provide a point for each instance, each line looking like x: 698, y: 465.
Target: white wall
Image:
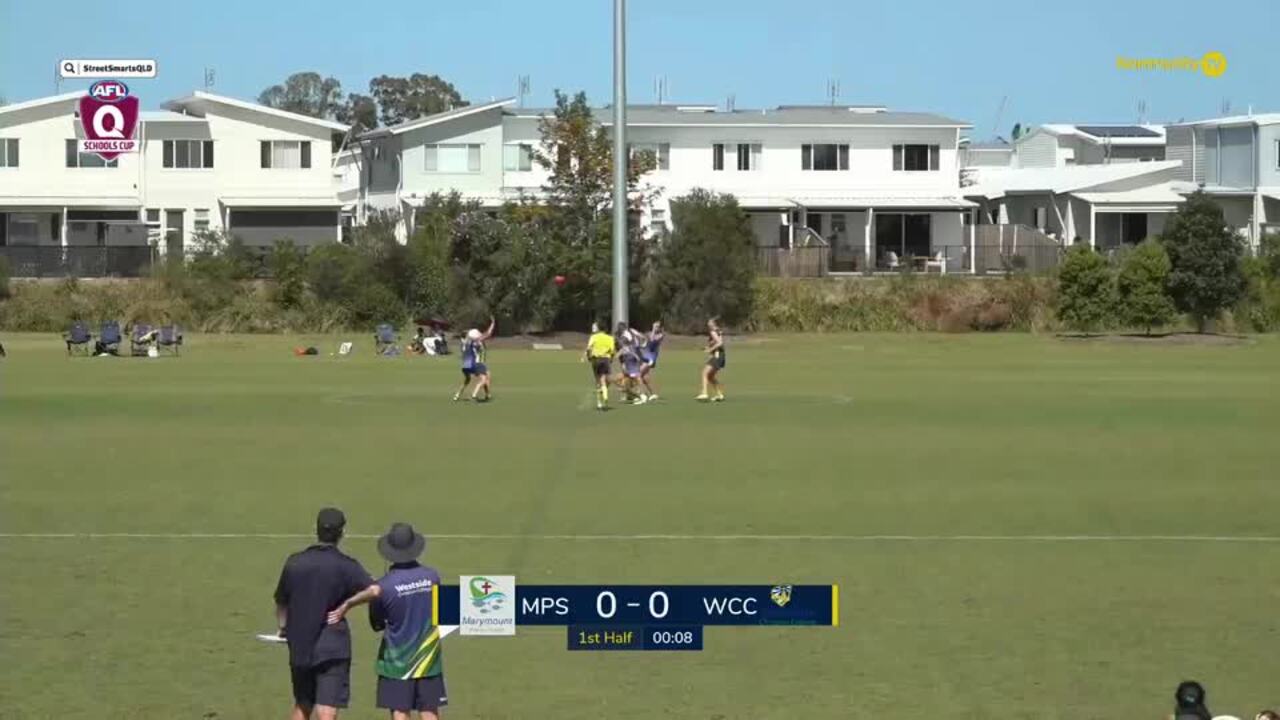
x: 1040, y: 149
x: 42, y: 173
x: 484, y: 129
x: 870, y: 161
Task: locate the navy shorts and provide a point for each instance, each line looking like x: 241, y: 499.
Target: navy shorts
x: 631, y: 368
x: 328, y: 683
x: 600, y: 366
x: 408, y: 695
x: 651, y: 359
x: 716, y: 362
x: 477, y: 369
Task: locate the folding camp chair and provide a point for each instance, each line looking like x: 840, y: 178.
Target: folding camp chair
x: 140, y: 339
x: 109, y: 339
x: 384, y: 337
x: 78, y: 339
x: 170, y: 337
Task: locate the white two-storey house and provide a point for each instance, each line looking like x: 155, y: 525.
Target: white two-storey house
x: 877, y: 186
x: 206, y: 162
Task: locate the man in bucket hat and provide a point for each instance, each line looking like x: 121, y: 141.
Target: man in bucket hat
x: 410, y: 671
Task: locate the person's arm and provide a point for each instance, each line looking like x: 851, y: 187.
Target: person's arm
x: 366, y: 595
x: 716, y: 343
x: 489, y: 332
x: 282, y: 600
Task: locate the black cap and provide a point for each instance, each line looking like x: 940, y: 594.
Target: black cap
x: 330, y: 519
x: 401, y: 544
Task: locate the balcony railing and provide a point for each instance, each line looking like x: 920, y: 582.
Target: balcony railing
x: 43, y: 261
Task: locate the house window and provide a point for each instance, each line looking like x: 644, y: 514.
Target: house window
x: 8, y: 152
x: 661, y: 153
x: 1277, y: 152
x: 717, y: 156
x: 749, y: 156
x: 201, y: 224
x: 658, y: 221
x: 824, y: 157
x: 517, y: 157
x: 916, y: 158
x: 153, y: 225
x: 188, y: 154
x: 285, y: 154
x: 451, y: 158
x: 77, y: 159
x: 1039, y: 215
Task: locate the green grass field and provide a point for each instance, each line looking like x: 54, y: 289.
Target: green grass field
x: 1021, y: 526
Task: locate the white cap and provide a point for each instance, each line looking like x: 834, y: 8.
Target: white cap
x: 473, y: 334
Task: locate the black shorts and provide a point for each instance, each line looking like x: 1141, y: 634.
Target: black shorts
x: 600, y: 366
x: 408, y: 695
x: 716, y: 362
x: 328, y: 683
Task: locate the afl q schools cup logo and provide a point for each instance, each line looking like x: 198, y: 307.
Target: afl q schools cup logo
x: 109, y: 117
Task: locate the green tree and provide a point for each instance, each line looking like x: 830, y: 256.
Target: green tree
x: 305, y: 93
x: 577, y: 152
x: 707, y: 266
x: 1085, y: 290
x: 359, y: 110
x: 1141, y: 287
x: 1206, y: 276
x: 288, y: 266
x: 404, y: 99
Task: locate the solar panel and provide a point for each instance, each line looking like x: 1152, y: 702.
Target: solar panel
x: 1118, y: 131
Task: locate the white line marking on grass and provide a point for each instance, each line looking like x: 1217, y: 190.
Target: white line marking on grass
x: 667, y: 537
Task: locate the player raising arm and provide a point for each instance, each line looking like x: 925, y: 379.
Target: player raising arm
x: 473, y: 365
x: 652, y: 346
x: 715, y: 363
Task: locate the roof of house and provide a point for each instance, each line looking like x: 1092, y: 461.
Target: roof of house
x: 1253, y: 119
x: 427, y: 120
x: 50, y: 100
x: 167, y: 116
x: 794, y: 115
x: 998, y: 182
x: 1165, y: 193
x: 197, y: 98
x: 1108, y: 133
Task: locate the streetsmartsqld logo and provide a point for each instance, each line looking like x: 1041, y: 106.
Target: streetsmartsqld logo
x: 109, y: 117
x: 1212, y: 64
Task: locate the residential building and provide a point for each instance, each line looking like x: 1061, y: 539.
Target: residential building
x: 1061, y: 144
x: 875, y: 185
x: 1236, y: 160
x: 1103, y: 184
x: 206, y: 162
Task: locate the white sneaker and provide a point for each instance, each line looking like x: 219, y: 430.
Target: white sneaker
x: 702, y: 398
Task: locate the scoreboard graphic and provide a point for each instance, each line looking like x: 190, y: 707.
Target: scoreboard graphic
x: 629, y: 617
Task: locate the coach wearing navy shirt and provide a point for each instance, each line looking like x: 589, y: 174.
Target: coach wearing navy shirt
x: 312, y: 583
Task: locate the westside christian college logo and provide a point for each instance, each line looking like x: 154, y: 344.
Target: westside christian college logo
x: 488, y: 606
x: 109, y: 115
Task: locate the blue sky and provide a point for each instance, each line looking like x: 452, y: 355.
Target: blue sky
x: 1054, y: 62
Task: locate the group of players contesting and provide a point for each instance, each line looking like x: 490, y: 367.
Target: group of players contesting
x: 635, y: 350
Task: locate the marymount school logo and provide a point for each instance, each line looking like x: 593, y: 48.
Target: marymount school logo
x: 488, y: 605
x: 109, y: 117
x: 486, y: 595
